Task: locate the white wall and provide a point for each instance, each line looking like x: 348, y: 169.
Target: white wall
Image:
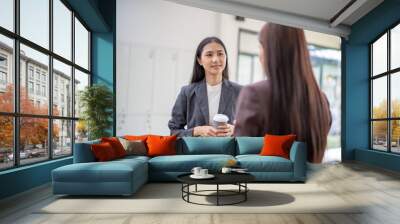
x: 156, y: 43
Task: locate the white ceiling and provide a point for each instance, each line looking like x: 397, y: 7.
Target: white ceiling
x: 315, y: 15
x: 320, y: 9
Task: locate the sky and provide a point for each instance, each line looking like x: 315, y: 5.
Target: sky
x: 35, y: 27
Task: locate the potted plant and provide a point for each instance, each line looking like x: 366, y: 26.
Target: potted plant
x: 96, y: 102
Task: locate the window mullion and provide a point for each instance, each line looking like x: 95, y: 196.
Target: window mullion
x: 389, y: 106
x: 50, y: 81
x: 73, y: 82
x: 16, y: 84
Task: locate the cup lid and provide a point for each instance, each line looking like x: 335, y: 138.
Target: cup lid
x: 221, y: 118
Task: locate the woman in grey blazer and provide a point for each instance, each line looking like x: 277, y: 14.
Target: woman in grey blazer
x: 210, y: 92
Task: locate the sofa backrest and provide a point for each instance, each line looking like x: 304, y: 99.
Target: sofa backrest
x: 83, y: 152
x: 249, y: 145
x: 206, y: 145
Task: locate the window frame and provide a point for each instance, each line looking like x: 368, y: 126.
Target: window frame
x: 388, y: 74
x: 15, y: 72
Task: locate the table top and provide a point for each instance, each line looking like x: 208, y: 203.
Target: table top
x: 220, y: 178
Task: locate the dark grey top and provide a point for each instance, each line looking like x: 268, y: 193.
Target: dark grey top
x: 220, y: 178
x: 191, y: 106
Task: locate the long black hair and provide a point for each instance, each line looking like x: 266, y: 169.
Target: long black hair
x: 198, y: 70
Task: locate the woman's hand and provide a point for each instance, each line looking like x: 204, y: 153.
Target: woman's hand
x: 225, y: 130
x: 204, y: 131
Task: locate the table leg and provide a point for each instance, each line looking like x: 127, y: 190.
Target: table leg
x: 217, y: 194
x: 196, y: 188
x: 245, y: 193
x: 188, y: 190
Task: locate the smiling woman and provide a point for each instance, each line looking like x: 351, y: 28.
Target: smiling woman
x: 209, y: 93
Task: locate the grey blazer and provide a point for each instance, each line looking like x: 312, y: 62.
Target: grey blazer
x: 191, y: 106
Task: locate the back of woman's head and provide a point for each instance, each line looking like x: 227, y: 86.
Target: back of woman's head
x: 198, y: 73
x: 296, y: 104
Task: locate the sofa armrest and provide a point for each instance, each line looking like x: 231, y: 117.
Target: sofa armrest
x: 83, y: 152
x: 298, y: 155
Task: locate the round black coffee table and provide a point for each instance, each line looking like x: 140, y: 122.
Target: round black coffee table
x: 238, y: 179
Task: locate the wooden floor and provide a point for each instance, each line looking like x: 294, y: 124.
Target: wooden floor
x: 378, y: 188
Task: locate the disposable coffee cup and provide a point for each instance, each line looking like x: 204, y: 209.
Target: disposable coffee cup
x: 220, y: 120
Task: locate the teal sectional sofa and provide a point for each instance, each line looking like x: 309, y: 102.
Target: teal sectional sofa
x: 125, y: 176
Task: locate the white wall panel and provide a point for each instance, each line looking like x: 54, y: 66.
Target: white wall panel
x: 156, y: 42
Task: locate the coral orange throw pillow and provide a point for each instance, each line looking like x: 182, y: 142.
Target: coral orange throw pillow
x: 103, y: 152
x: 277, y: 145
x: 136, y: 137
x: 161, y: 145
x: 116, y: 145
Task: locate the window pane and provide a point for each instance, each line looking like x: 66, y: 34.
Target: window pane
x: 62, y: 29
x: 379, y: 55
x: 6, y: 142
x: 34, y: 97
x: 258, y: 73
x: 244, y: 74
x: 379, y: 135
x: 62, y: 138
x: 35, y: 21
x: 62, y: 89
x: 395, y: 47
x: 81, y: 45
x: 81, y: 131
x: 395, y: 94
x: 33, y: 139
x: 6, y: 74
x: 7, y: 14
x: 81, y: 81
x: 395, y: 136
x: 379, y: 100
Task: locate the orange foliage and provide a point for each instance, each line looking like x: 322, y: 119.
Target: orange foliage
x: 33, y: 130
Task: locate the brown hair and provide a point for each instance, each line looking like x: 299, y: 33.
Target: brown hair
x: 296, y: 104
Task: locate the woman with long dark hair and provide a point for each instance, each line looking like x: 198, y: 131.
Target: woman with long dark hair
x: 289, y: 101
x: 209, y: 93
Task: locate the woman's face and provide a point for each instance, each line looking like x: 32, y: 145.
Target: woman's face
x: 213, y: 59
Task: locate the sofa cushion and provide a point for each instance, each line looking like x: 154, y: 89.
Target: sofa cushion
x: 116, y: 145
x: 83, y: 152
x: 134, y: 147
x: 277, y: 145
x: 103, y: 152
x: 112, y: 171
x: 161, y: 145
x: 249, y: 145
x: 207, y: 145
x: 131, y: 158
x: 185, y: 163
x: 257, y: 163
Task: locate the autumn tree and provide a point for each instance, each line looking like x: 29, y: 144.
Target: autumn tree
x: 33, y: 131
x: 380, y: 127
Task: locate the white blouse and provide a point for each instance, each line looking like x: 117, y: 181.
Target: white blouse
x: 213, y: 95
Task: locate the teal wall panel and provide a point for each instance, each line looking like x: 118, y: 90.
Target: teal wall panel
x: 356, y: 126
x: 24, y: 178
x: 102, y: 59
x: 104, y: 52
x: 379, y: 159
